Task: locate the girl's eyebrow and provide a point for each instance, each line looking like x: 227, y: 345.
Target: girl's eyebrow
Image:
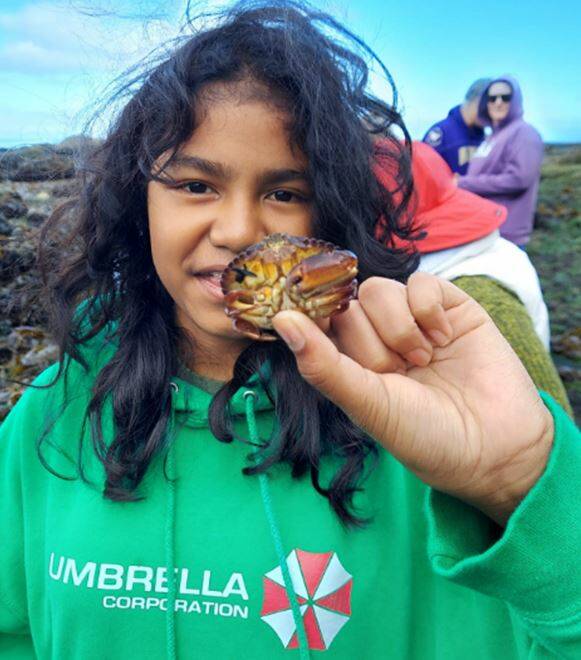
x: 209, y: 167
x: 274, y: 177
x: 219, y: 170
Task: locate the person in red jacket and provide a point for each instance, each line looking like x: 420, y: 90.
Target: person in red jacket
x: 447, y: 215
x: 461, y: 242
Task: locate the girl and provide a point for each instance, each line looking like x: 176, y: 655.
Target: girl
x: 389, y: 484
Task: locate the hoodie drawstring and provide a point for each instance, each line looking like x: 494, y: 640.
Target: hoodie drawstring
x: 170, y: 543
x: 171, y: 653
x: 249, y: 398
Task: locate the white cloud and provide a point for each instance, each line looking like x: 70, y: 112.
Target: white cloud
x: 28, y: 57
x: 57, y: 56
x: 59, y: 37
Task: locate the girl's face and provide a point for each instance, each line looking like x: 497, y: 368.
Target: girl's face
x: 234, y: 181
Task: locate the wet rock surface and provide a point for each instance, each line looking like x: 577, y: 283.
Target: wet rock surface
x: 35, y: 180
x: 39, y: 163
x: 25, y: 346
x: 12, y: 206
x: 44, y: 162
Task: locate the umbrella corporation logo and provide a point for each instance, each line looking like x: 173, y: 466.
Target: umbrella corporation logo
x: 321, y: 585
x: 323, y: 590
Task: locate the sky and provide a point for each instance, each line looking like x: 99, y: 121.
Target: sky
x: 57, y: 56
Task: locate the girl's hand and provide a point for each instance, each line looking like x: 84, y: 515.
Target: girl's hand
x: 423, y: 370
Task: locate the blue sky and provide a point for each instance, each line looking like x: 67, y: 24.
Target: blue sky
x: 56, y: 56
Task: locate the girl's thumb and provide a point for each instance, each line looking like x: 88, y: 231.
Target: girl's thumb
x: 318, y: 360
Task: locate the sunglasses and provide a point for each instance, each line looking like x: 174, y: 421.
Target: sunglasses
x: 505, y: 98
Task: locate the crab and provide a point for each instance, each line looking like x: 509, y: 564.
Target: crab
x: 287, y: 272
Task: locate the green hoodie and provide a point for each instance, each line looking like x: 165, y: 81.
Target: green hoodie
x: 82, y: 577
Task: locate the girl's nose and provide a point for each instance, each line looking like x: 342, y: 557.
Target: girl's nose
x: 238, y: 225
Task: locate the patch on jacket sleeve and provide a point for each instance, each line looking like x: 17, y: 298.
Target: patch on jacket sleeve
x: 435, y: 136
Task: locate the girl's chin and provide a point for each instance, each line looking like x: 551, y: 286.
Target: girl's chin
x: 214, y: 328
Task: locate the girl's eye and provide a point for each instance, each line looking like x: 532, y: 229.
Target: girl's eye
x: 196, y: 188
x: 285, y: 196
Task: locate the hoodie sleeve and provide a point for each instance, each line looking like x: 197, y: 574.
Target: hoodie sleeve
x: 522, y: 166
x: 532, y: 565
x: 17, y: 435
x: 436, y: 137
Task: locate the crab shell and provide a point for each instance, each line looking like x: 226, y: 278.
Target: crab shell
x: 287, y: 272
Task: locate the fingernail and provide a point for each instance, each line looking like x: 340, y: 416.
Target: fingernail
x: 419, y: 356
x: 291, y: 334
x: 439, y: 337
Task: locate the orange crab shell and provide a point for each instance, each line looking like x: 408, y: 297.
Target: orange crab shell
x: 287, y: 272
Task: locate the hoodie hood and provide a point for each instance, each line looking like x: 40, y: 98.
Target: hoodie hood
x: 189, y: 401
x: 516, y: 105
x: 193, y: 403
x: 448, y: 215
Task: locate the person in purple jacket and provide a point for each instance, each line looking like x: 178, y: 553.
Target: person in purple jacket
x: 506, y: 167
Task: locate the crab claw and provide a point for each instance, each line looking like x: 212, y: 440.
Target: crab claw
x: 249, y: 316
x: 249, y: 329
x: 334, y: 301
x: 323, y: 273
x: 238, y: 302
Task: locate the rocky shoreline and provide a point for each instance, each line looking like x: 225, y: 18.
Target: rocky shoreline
x: 34, y: 180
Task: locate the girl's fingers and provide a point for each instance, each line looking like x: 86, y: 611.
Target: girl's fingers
x: 385, y: 303
x: 386, y: 405
x: 441, y: 307
x: 337, y: 376
x: 425, y: 295
x: 354, y: 335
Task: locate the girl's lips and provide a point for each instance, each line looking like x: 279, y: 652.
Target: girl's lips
x: 210, y: 283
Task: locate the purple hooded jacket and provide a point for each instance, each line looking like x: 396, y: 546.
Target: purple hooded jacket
x: 506, y: 167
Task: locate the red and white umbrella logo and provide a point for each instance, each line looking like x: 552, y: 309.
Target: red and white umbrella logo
x: 323, y: 590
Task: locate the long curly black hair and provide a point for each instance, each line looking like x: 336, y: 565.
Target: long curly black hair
x: 320, y: 70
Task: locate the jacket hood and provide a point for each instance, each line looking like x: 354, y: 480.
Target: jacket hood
x: 516, y: 105
x: 448, y: 215
x: 194, y: 403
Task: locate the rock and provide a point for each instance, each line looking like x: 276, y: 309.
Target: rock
x: 568, y: 344
x: 5, y: 354
x: 19, y: 235
x: 40, y: 357
x: 12, y: 206
x: 36, y: 219
x: 42, y: 196
x: 5, y: 327
x: 8, y: 400
x: 64, y: 189
x: 77, y: 144
x: 14, y: 260
x: 569, y: 374
x: 5, y: 226
x: 24, y: 336
x: 38, y: 163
